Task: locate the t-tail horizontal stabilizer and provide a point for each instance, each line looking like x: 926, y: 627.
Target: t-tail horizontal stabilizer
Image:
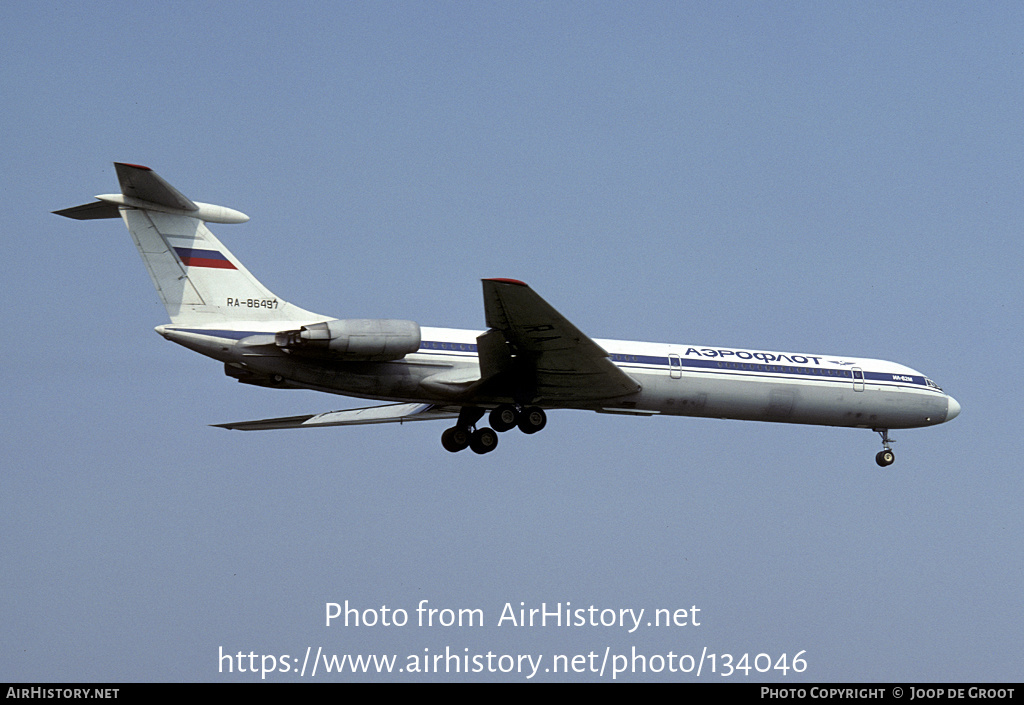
x: 143, y: 188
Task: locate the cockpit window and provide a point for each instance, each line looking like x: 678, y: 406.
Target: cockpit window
x: 932, y: 384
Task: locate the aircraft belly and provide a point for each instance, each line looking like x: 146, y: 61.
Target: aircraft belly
x: 821, y: 403
x: 377, y: 380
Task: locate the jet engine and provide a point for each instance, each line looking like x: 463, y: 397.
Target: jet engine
x: 354, y: 339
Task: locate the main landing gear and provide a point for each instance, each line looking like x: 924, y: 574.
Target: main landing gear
x: 885, y: 457
x: 465, y: 434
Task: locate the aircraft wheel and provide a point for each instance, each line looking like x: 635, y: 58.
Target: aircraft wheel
x: 484, y: 440
x: 503, y: 418
x: 455, y: 439
x: 885, y: 458
x: 532, y: 419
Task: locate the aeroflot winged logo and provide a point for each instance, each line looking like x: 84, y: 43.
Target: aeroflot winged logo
x: 530, y: 359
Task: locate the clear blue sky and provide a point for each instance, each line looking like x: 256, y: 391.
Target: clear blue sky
x: 839, y: 178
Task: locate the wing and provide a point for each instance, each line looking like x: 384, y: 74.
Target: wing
x: 550, y: 356
x: 389, y: 413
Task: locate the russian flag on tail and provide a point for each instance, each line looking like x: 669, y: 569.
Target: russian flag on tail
x: 203, y: 258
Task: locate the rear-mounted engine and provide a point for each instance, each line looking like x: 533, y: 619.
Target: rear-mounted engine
x: 354, y: 339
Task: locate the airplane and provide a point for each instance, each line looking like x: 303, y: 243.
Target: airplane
x: 531, y: 358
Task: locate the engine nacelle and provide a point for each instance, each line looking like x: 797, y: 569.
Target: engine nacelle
x: 355, y: 338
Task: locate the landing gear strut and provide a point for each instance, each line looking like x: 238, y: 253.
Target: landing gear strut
x: 885, y: 457
x: 465, y: 434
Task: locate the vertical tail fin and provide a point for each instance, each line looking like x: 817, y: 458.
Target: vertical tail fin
x: 198, y: 279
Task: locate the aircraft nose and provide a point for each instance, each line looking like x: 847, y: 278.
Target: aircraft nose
x: 954, y: 409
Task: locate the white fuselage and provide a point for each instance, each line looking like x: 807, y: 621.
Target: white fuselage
x: 680, y: 380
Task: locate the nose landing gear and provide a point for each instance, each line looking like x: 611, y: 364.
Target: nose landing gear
x: 885, y: 457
